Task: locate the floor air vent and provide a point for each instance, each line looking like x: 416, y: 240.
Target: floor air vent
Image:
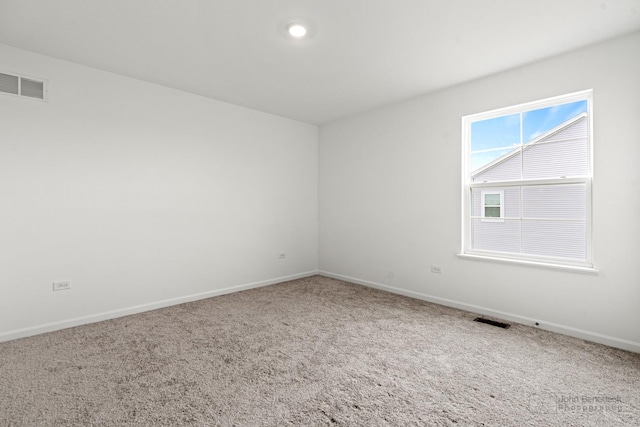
x: 22, y: 86
x: 492, y: 322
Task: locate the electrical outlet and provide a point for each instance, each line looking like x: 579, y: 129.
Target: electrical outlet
x: 282, y: 256
x: 436, y: 269
x: 62, y: 286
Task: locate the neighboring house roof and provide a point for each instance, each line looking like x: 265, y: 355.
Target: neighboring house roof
x: 545, y: 136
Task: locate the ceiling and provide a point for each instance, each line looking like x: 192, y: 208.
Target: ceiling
x: 363, y: 53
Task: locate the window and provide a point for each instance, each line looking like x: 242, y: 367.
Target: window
x: 492, y: 205
x: 527, y: 174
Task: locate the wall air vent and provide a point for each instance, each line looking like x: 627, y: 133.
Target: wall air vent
x: 22, y: 86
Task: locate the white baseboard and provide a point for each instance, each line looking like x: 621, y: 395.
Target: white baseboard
x: 553, y: 327
x: 78, y: 321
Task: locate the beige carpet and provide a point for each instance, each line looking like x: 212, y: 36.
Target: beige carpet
x: 313, y: 352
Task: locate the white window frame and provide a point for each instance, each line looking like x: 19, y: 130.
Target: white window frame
x: 467, y: 186
x: 483, y: 207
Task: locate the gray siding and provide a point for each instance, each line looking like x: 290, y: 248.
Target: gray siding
x: 564, y: 153
x: 552, y: 238
x: 553, y: 221
x: 553, y: 218
x: 508, y: 169
x: 496, y: 236
x: 557, y: 159
x: 555, y: 201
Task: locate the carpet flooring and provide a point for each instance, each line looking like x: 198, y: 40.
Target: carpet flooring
x: 313, y: 352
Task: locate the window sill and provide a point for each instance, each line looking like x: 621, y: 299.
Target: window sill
x: 537, y: 264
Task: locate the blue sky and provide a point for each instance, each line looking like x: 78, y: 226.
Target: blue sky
x: 492, y: 138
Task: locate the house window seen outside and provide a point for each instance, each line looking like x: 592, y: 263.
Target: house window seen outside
x: 492, y: 204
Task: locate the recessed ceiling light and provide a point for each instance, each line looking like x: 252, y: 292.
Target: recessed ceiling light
x: 297, y: 30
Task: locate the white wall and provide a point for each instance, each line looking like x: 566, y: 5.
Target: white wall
x: 142, y: 196
x: 389, y: 200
